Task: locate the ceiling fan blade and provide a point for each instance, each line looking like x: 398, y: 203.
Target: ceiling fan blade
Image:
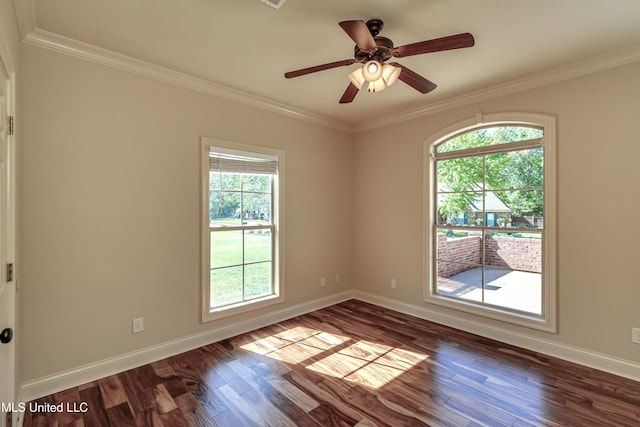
x: 457, y: 41
x: 317, y: 68
x: 414, y: 79
x: 349, y: 94
x: 359, y: 33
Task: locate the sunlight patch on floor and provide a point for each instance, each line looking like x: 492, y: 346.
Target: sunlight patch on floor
x: 366, y: 363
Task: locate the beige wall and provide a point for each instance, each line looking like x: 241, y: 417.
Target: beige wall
x: 110, y: 185
x: 597, y: 198
x: 109, y: 202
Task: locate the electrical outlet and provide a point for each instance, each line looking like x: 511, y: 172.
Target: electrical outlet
x: 337, y: 278
x: 323, y: 282
x: 635, y: 335
x: 138, y: 325
x: 394, y: 284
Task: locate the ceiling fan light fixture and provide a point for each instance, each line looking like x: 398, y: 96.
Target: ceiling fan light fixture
x: 377, y: 86
x: 357, y: 78
x: 390, y: 73
x: 372, y: 71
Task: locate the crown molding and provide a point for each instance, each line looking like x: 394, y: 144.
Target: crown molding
x: 25, y: 15
x: 88, y: 52
x: 574, y: 70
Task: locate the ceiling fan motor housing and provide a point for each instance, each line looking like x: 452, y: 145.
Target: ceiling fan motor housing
x: 375, y: 26
x: 382, y: 53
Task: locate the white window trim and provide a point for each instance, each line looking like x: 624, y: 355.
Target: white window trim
x: 546, y: 322
x: 207, y: 313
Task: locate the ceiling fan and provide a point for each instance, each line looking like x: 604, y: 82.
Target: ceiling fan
x: 374, y: 51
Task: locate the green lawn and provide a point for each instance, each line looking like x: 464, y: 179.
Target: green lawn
x: 241, y: 265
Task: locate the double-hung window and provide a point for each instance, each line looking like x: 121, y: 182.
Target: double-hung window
x: 492, y: 220
x: 242, y: 228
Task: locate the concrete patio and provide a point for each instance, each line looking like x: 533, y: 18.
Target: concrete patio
x: 518, y: 290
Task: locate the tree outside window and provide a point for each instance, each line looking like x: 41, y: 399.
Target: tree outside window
x: 488, y: 241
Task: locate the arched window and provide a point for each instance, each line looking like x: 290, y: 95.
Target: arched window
x: 491, y: 237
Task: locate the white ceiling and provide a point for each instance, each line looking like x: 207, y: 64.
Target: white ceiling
x: 241, y: 48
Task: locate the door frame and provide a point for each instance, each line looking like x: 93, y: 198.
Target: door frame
x: 8, y: 288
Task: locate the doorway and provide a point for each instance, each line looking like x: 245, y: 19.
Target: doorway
x: 9, y: 409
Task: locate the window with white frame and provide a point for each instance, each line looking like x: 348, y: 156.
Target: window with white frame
x: 242, y: 228
x: 491, y: 239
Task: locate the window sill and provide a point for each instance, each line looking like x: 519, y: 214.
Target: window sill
x: 532, y: 321
x: 209, y: 314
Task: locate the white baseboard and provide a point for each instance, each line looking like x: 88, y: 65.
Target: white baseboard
x: 91, y: 372
x: 581, y: 356
x: 74, y: 377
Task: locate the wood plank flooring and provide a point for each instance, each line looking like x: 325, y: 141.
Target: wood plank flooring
x: 352, y: 364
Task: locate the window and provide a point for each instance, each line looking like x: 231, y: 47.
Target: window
x: 491, y: 231
x: 241, y: 228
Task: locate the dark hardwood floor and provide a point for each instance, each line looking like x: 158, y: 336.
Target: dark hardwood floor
x: 346, y: 365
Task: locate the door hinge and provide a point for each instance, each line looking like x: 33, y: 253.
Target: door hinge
x: 10, y: 126
x: 9, y: 273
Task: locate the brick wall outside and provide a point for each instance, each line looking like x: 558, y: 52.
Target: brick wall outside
x: 514, y: 252
x: 460, y: 249
x: 500, y: 251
